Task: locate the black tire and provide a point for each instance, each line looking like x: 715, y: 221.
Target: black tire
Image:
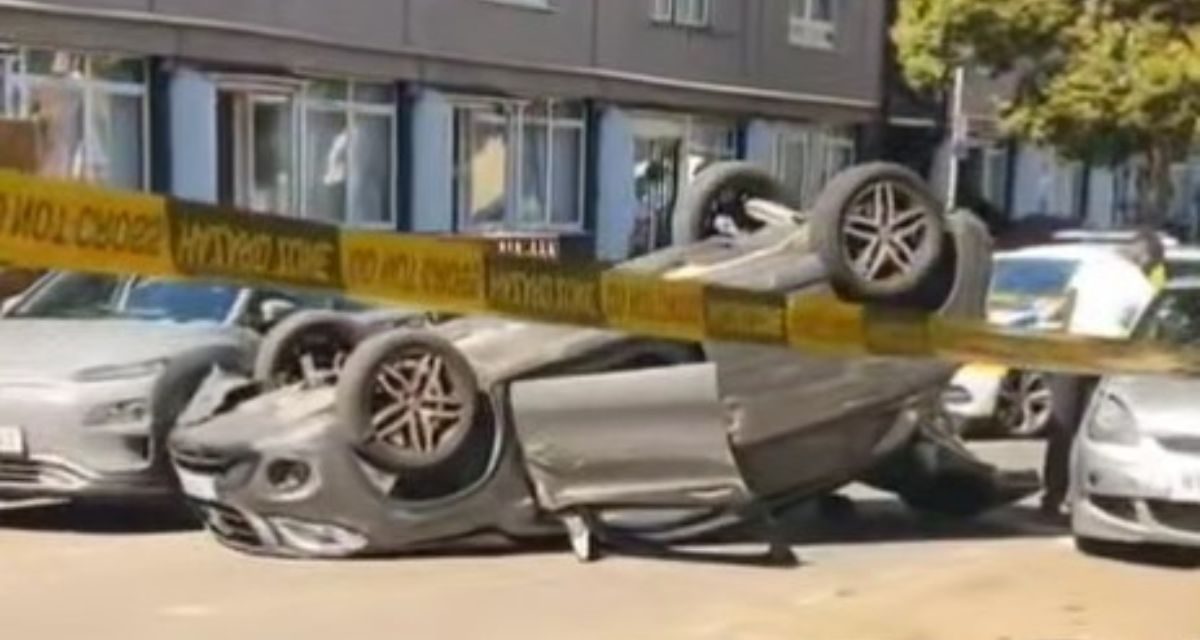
x: 328, y: 334
x: 176, y: 387
x: 724, y: 186
x: 840, y: 249
x: 970, y: 268
x: 958, y: 285
x: 362, y: 394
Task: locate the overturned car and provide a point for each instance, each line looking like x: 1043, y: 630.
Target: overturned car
x: 481, y: 429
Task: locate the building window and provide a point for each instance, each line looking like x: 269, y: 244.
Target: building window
x: 92, y: 112
x: 257, y: 159
x: 685, y: 13
x: 321, y: 149
x: 669, y: 151
x: 519, y: 165
x: 807, y: 158
x: 813, y: 23
x: 349, y: 153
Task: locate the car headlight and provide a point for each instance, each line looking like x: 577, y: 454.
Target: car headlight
x: 128, y: 371
x: 318, y: 539
x: 1113, y: 422
x: 122, y: 412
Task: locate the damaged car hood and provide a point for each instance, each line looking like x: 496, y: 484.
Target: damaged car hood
x: 46, y: 348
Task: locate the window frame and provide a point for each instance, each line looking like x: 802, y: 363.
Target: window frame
x: 816, y: 172
x: 808, y: 31
x: 352, y: 109
x: 246, y: 94
x: 296, y: 93
x: 514, y: 119
x: 21, y: 81
x: 679, y: 13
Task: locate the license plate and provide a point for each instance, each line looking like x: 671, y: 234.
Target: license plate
x: 1188, y: 487
x: 12, y: 442
x: 198, y: 486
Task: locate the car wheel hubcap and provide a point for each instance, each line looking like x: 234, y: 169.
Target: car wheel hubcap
x: 884, y: 232
x: 1025, y: 404
x: 420, y: 411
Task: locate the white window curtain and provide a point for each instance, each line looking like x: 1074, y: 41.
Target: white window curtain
x: 92, y: 111
x: 349, y: 153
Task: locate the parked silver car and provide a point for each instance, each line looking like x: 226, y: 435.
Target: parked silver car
x: 1136, y: 463
x: 481, y: 429
x: 95, y: 369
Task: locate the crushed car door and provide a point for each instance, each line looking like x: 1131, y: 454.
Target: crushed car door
x: 642, y: 438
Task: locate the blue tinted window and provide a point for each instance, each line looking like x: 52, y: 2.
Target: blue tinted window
x: 181, y: 302
x: 1032, y: 277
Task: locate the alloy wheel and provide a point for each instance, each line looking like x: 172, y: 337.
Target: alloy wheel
x: 884, y: 232
x: 418, y: 408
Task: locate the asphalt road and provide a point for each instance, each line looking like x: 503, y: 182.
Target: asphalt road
x: 881, y: 575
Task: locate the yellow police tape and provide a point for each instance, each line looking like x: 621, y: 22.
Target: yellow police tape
x: 62, y: 225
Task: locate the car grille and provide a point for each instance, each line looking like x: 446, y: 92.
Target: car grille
x: 39, y: 473
x: 1184, y: 517
x: 230, y: 524
x: 1181, y: 444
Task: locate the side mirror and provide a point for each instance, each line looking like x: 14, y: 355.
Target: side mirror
x: 272, y: 310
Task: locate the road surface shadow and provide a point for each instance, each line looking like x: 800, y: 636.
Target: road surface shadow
x: 96, y: 519
x: 887, y: 520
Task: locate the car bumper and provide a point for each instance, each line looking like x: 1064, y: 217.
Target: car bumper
x: 54, y: 447
x: 51, y: 477
x: 1143, y: 494
x: 342, y: 509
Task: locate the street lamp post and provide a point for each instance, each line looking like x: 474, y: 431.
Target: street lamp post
x: 958, y: 137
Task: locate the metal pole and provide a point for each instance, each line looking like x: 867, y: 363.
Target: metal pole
x: 958, y: 138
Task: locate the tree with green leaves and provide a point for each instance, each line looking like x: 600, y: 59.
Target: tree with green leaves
x: 1101, y: 81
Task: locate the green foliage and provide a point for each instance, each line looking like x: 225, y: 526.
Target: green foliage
x: 1098, y: 80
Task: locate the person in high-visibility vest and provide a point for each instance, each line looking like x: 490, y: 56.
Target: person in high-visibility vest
x: 1113, y: 318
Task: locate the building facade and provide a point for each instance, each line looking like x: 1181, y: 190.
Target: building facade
x: 581, y: 118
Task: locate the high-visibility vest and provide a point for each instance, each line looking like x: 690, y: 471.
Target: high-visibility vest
x: 1158, y: 277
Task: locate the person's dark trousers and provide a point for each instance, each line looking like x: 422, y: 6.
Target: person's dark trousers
x: 1070, y: 395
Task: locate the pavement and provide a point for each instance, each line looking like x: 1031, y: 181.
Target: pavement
x: 881, y: 574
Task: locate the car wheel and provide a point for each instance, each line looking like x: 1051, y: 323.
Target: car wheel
x: 306, y: 346
x: 715, y: 202
x: 410, y: 399
x: 879, y: 231
x: 1024, y: 405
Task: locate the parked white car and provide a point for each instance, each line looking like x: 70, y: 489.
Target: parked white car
x: 1046, y: 288
x: 1136, y: 463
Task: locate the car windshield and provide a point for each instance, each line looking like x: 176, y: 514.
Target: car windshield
x: 1173, y: 318
x: 80, y: 295
x: 1032, y: 277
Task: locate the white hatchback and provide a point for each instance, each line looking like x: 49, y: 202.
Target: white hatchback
x: 1136, y: 463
